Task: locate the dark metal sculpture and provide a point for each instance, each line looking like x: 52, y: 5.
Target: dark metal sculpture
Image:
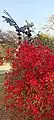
x: 24, y: 29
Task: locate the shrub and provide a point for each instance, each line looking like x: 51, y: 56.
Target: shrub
x: 29, y: 85
x: 49, y: 41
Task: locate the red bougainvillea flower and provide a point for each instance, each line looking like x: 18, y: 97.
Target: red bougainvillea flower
x: 29, y: 85
x: 1, y: 62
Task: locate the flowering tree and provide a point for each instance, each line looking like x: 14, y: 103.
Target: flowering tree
x: 29, y: 85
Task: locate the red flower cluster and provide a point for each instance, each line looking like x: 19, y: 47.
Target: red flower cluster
x: 1, y: 59
x: 30, y: 83
x: 9, y: 54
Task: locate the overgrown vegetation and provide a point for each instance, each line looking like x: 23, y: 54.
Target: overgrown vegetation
x: 29, y: 85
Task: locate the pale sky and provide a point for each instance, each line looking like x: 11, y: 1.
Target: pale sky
x: 36, y: 11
